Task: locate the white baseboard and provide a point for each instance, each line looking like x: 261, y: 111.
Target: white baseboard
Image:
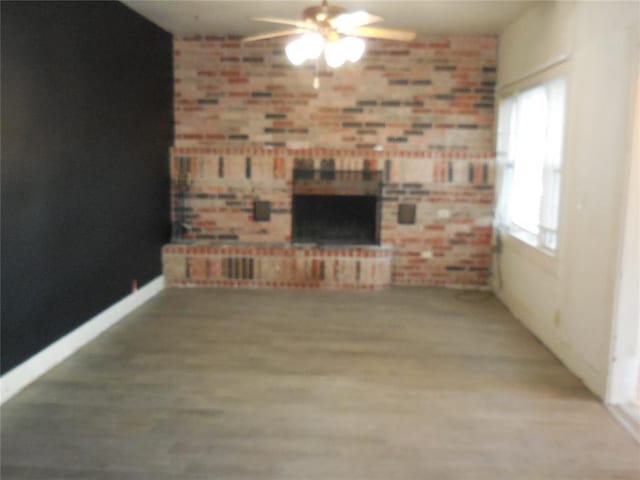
x: 22, y: 375
x: 629, y: 416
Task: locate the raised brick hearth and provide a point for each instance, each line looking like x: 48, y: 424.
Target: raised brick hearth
x: 419, y: 115
x: 286, y: 266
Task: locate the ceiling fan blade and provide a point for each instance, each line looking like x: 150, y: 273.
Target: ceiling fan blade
x: 265, y: 36
x: 286, y: 21
x: 382, y: 33
x: 350, y: 20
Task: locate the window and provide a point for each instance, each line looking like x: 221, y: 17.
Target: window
x: 530, y: 134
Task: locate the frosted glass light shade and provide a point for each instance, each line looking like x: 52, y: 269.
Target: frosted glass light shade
x: 353, y: 47
x: 295, y: 51
x: 313, y: 44
x: 334, y: 54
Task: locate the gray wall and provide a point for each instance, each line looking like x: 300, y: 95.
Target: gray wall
x: 86, y: 126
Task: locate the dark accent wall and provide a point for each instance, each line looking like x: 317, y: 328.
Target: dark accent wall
x: 87, y: 123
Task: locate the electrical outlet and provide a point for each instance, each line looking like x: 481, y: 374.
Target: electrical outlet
x: 426, y: 254
x: 444, y: 213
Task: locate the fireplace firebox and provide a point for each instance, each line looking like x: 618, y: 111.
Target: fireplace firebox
x: 336, y: 207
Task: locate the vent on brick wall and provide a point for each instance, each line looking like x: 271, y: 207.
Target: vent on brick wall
x: 238, y: 268
x: 261, y: 211
x: 407, y: 213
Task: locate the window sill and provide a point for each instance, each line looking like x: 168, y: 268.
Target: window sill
x: 544, y: 258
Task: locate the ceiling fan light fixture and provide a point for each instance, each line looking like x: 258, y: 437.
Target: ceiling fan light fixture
x: 331, y: 22
x: 334, y: 54
x: 296, y: 51
x: 313, y: 45
x: 353, y: 47
x: 332, y: 30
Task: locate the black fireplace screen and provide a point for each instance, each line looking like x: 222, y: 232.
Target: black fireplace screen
x: 336, y: 207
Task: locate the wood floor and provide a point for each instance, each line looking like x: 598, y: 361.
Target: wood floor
x: 404, y: 384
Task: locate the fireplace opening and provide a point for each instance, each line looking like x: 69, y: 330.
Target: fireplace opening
x: 335, y: 219
x: 336, y: 207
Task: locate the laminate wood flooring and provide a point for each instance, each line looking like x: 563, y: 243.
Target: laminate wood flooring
x: 282, y: 384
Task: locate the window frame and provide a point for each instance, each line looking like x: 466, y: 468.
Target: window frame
x: 552, y: 170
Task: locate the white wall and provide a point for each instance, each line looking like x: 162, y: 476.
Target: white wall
x: 624, y: 377
x: 568, y: 300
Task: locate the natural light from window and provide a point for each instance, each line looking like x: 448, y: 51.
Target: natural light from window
x: 530, y: 133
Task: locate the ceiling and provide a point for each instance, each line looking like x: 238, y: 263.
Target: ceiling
x: 422, y: 16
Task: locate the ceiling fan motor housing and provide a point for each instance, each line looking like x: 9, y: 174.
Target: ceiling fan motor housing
x: 322, y: 14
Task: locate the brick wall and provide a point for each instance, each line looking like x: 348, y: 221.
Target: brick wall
x: 244, y: 115
x: 433, y: 95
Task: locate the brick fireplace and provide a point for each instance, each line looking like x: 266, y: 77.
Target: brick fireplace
x: 382, y: 176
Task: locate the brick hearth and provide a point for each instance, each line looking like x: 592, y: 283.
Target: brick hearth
x: 285, y: 266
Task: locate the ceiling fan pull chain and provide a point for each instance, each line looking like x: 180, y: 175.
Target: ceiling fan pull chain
x: 316, y: 77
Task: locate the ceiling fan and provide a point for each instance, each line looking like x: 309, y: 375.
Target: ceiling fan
x: 332, y: 30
